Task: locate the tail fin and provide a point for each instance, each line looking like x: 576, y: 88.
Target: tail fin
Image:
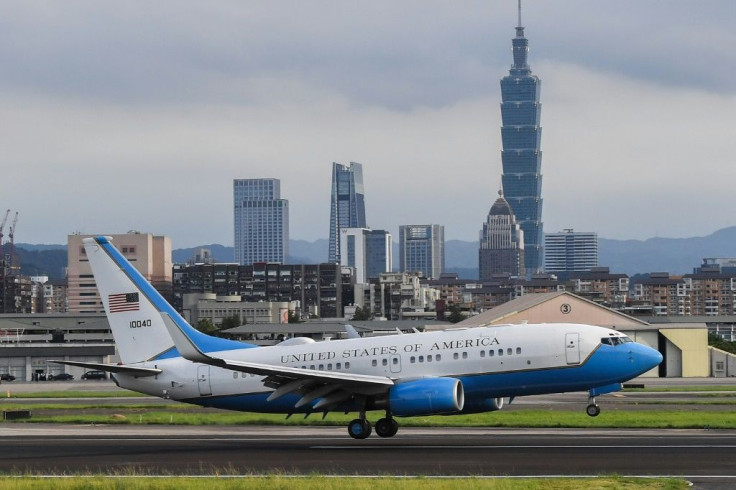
x: 134, y: 308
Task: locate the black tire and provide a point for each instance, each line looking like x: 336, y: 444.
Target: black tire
x: 359, y: 429
x: 593, y: 410
x: 386, y: 427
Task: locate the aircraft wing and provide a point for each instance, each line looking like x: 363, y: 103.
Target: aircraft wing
x: 114, y: 368
x: 332, y: 387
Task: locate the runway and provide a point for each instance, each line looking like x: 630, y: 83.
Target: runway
x: 701, y: 456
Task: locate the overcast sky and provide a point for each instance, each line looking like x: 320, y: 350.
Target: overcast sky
x: 138, y: 115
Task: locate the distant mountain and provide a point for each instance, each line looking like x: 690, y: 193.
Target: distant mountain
x: 49, y: 262
x: 673, y: 255
x: 220, y: 253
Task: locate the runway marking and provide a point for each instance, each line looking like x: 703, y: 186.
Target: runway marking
x: 643, y: 446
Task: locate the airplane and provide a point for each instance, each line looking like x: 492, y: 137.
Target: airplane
x: 455, y: 371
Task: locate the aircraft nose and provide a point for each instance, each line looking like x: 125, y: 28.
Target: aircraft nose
x: 650, y: 358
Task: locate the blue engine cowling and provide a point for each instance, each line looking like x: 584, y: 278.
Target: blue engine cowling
x: 428, y: 396
x: 480, y: 405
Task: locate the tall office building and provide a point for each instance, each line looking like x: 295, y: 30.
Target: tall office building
x: 570, y: 251
x: 368, y: 251
x: 422, y: 249
x: 347, y: 204
x: 261, y: 221
x: 501, y: 248
x: 521, y: 155
x: 149, y: 254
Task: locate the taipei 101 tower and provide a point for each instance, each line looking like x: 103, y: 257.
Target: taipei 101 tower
x: 521, y: 157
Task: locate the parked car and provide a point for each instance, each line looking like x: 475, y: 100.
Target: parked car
x: 61, y: 377
x: 7, y: 377
x: 95, y: 375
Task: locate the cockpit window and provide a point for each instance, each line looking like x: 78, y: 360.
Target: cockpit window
x: 615, y: 340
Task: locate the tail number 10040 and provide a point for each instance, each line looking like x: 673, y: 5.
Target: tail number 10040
x: 140, y: 323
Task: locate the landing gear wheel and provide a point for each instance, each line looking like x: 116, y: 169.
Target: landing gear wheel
x: 593, y: 410
x: 359, y: 428
x: 387, y: 427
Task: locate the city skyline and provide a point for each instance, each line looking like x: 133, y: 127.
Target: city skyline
x: 102, y: 117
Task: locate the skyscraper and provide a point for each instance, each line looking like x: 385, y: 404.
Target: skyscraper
x: 368, y: 251
x: 501, y: 243
x: 422, y: 249
x: 261, y: 221
x: 570, y: 251
x: 347, y: 204
x: 521, y: 156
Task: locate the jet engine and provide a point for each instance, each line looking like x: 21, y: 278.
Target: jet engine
x: 479, y: 405
x: 428, y: 396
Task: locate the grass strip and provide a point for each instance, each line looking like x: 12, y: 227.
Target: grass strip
x: 336, y: 483
x: 664, y: 419
x: 70, y: 394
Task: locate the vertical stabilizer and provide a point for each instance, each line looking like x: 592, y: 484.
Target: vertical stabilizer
x: 134, y: 308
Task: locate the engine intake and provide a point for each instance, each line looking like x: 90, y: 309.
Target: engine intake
x: 429, y: 396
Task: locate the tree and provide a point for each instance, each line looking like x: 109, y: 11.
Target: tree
x: 230, y: 322
x: 456, y: 314
x: 205, y: 325
x: 361, y: 314
x: 293, y: 318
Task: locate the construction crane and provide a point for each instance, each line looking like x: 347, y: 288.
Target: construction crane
x: 11, y: 234
x: 5, y: 219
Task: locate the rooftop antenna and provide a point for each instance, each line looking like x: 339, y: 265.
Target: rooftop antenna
x: 519, y: 14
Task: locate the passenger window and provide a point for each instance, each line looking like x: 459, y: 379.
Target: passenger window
x: 437, y: 358
x: 455, y: 355
x: 482, y: 353
x: 395, y: 360
x: 429, y: 358
x: 500, y: 352
x: 509, y: 351
x: 321, y: 367
x: 413, y: 359
x: 329, y: 367
x: 384, y: 362
x: 421, y: 358
x: 465, y: 355
x: 374, y: 363
x: 518, y: 350
x: 235, y: 375
x: 347, y: 365
x: 491, y: 353
x: 311, y: 367
x: 242, y: 375
x: 337, y: 366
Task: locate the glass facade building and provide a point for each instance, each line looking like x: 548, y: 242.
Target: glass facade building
x: 368, y: 252
x: 261, y: 221
x: 570, y: 251
x: 521, y: 156
x: 422, y: 249
x: 347, y: 204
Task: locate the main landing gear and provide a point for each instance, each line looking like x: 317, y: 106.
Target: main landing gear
x: 360, y: 428
x: 592, y: 409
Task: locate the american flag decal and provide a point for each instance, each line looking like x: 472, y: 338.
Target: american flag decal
x: 123, y: 302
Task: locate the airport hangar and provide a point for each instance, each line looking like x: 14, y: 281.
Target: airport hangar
x: 28, y: 342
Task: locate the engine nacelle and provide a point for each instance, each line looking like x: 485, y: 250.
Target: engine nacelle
x: 480, y: 405
x: 429, y: 396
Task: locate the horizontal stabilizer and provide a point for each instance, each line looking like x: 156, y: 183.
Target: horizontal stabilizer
x: 114, y: 368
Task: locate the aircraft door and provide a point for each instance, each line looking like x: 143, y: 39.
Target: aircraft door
x: 572, y: 348
x: 203, y: 380
x: 395, y: 362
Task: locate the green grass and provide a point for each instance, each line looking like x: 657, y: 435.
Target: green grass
x: 664, y: 419
x: 336, y: 483
x: 69, y: 394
